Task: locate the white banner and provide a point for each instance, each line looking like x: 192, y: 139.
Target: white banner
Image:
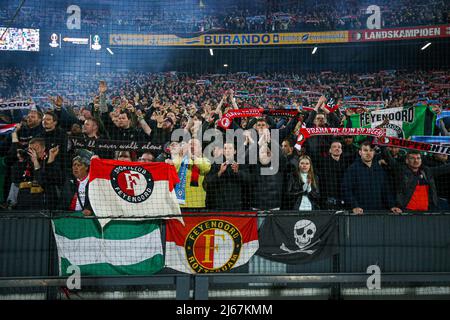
x: 15, y: 105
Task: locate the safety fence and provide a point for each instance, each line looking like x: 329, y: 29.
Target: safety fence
x: 376, y: 255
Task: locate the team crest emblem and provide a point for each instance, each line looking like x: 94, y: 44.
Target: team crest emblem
x: 132, y: 183
x: 226, y: 122
x: 213, y: 246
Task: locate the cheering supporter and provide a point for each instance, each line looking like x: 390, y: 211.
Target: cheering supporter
x: 124, y: 130
x: 225, y: 182
x: 75, y: 191
x: 330, y: 170
x: 303, y: 187
x: 292, y: 160
x: 149, y: 107
x: 192, y: 168
x: 53, y: 134
x: 442, y: 181
x: 349, y: 149
x: 266, y: 177
x: 124, y: 156
x: 317, y: 146
x: 147, y: 157
x: 365, y: 185
x: 91, y: 129
x: 161, y: 128
x: 416, y: 183
x: 31, y: 129
x: 444, y: 127
x: 41, y: 176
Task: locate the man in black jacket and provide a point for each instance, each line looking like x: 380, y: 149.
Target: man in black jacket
x: 40, y: 178
x: 31, y: 129
x: 365, y: 185
x: 225, y: 182
x: 75, y: 191
x: 320, y: 117
x: 442, y: 181
x: 416, y: 183
x: 331, y: 171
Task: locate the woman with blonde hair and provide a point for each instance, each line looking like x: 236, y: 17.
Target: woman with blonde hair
x: 304, y: 186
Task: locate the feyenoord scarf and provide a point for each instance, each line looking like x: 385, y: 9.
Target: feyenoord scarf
x: 227, y: 118
x: 305, y: 133
x: 408, y: 144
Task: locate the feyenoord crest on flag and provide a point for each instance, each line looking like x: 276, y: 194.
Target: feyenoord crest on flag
x: 296, y: 240
x: 132, y: 189
x: 402, y: 122
x: 210, y: 244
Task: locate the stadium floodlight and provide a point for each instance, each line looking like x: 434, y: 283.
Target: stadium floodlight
x: 426, y: 46
x: 211, y: 52
x: 225, y: 65
x: 110, y: 51
x: 314, y: 50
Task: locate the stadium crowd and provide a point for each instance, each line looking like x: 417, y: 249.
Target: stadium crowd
x: 300, y: 16
x: 43, y: 170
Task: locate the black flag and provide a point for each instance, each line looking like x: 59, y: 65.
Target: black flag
x: 298, y: 239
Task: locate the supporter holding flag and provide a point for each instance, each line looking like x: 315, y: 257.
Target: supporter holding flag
x: 320, y: 117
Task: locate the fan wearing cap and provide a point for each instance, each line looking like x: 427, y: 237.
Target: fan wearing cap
x: 75, y: 192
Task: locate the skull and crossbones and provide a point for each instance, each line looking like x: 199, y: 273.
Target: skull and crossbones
x: 304, y: 231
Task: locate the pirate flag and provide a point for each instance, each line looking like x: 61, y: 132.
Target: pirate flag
x: 298, y: 239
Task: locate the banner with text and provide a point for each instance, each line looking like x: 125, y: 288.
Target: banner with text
x: 244, y: 39
x: 409, y: 33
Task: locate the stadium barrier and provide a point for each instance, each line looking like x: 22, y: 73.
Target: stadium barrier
x: 411, y: 251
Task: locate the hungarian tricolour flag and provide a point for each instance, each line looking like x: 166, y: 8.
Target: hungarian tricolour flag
x: 213, y: 243
x: 132, y: 189
x: 120, y: 248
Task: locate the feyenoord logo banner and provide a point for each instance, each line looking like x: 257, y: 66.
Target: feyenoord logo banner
x: 132, y: 189
x: 213, y: 243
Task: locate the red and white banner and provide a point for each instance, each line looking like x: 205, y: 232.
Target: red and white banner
x: 132, y: 189
x: 414, y: 145
x: 305, y: 133
x: 213, y: 243
x: 227, y: 118
x: 408, y: 33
